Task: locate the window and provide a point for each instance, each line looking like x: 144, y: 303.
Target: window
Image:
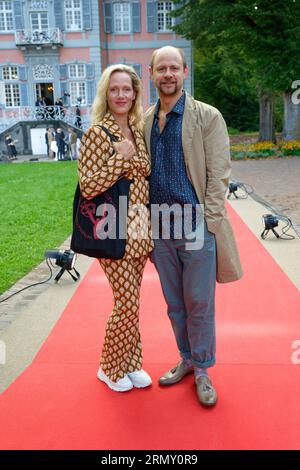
x: 77, y: 71
x: 6, y: 16
x: 122, y: 18
x: 12, y: 95
x: 78, y: 90
x: 164, y: 20
x: 11, y: 90
x: 39, y: 21
x: 10, y: 73
x: 73, y: 15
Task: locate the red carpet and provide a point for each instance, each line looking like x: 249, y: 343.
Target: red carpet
x: 58, y: 403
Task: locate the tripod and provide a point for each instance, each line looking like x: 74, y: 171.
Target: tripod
x: 266, y: 231
x: 75, y: 278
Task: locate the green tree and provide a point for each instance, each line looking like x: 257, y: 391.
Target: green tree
x: 266, y: 34
x: 225, y: 82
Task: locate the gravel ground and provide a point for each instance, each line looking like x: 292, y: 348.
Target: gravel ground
x: 276, y: 180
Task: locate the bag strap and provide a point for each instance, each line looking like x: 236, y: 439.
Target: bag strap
x: 112, y: 137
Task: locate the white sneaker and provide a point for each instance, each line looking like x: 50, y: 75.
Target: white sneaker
x: 140, y: 378
x: 121, y: 385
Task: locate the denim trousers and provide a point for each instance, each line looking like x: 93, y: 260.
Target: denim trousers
x: 188, y: 280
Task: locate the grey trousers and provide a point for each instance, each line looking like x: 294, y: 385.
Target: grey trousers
x: 188, y: 280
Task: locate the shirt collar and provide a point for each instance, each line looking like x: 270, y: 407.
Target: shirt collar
x: 178, y: 108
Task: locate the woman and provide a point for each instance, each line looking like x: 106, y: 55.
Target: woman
x: 118, y: 107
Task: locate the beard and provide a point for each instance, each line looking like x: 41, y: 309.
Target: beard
x: 171, y: 90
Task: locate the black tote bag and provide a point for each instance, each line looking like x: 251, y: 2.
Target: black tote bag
x: 100, y: 223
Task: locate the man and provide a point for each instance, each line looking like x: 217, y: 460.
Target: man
x: 72, y: 141
x: 47, y: 140
x: 11, y: 149
x: 52, y: 143
x: 189, y: 148
x: 78, y: 121
x: 60, y: 142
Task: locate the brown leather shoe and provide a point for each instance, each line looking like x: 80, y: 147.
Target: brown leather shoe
x: 205, y: 390
x: 176, y: 374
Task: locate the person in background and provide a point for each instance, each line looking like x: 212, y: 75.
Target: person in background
x: 72, y: 140
x: 47, y: 141
x: 59, y: 108
x: 60, y: 141
x: 52, y: 141
x: 11, y: 149
x: 78, y: 121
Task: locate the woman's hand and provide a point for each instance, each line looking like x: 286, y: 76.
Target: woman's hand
x: 125, y: 148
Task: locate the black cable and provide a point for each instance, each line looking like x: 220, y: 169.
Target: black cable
x: 246, y: 188
x: 31, y: 285
x: 250, y: 191
x: 288, y: 225
x: 284, y: 235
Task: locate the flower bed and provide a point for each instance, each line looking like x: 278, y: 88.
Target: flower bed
x: 265, y: 150
x: 289, y: 148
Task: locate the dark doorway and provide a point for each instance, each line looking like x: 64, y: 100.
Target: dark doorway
x: 45, y: 90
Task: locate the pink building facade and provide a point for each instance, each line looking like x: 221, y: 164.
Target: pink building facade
x: 57, y: 48
x: 49, y: 50
x: 132, y: 30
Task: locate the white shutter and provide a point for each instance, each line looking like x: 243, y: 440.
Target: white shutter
x: 2, y: 95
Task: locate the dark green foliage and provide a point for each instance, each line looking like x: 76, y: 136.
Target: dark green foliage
x: 264, y: 35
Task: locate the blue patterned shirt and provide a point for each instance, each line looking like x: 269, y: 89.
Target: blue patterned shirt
x: 169, y: 183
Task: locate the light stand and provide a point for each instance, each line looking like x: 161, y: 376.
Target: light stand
x: 270, y: 222
x: 66, y: 260
x: 233, y: 187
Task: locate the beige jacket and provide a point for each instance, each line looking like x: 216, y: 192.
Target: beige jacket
x: 207, y: 157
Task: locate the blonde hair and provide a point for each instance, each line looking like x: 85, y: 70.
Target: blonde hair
x: 100, y: 106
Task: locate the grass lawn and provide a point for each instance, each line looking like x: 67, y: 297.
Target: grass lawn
x: 35, y: 214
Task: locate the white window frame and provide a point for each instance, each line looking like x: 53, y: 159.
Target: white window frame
x: 120, y: 18
x: 12, y: 91
x: 39, y: 27
x: 76, y: 89
x: 11, y: 72
x: 77, y: 71
x: 163, y: 14
x: 7, y: 16
x: 70, y: 10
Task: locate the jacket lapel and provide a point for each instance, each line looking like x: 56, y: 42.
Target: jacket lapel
x: 139, y: 139
x: 188, y: 127
x: 148, y: 126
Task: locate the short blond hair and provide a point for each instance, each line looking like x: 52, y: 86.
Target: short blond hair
x: 100, y: 105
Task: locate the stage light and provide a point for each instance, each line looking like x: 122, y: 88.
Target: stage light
x: 233, y: 187
x: 66, y: 260
x: 270, y: 221
x: 245, y: 190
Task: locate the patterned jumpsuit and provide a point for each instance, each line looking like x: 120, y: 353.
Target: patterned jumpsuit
x: 99, y: 168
